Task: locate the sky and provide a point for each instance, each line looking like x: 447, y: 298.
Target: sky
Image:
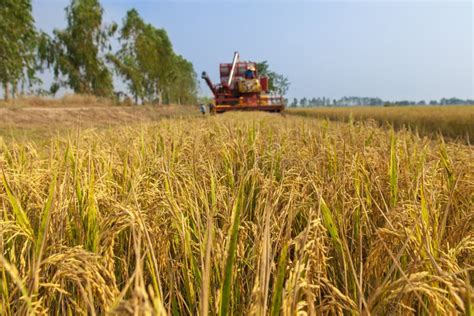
x: 392, y: 49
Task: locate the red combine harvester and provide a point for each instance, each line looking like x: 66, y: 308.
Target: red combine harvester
x: 241, y: 89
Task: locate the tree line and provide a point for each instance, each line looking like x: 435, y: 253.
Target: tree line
x: 368, y: 101
x: 81, y: 56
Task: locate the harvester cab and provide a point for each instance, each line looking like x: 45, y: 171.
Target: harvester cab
x: 242, y: 89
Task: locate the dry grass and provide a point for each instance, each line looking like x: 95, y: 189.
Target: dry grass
x: 87, y: 116
x: 68, y: 101
x: 450, y: 121
x: 42, y: 122
x: 242, y: 213
x: 40, y: 117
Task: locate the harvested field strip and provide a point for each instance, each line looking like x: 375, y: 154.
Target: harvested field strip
x: 243, y: 213
x: 42, y: 122
x: 455, y: 122
x: 87, y: 116
x: 69, y: 101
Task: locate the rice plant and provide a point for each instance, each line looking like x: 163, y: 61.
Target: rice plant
x: 454, y: 122
x: 237, y: 214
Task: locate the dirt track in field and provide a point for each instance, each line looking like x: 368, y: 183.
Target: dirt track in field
x: 63, y: 117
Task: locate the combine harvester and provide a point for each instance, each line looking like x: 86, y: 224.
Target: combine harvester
x: 242, y: 89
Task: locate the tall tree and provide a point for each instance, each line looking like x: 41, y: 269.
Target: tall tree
x: 294, y: 104
x: 146, y: 61
x: 75, y: 52
x: 17, y: 44
x: 279, y: 84
x: 304, y: 102
x: 127, y: 62
x: 182, y: 87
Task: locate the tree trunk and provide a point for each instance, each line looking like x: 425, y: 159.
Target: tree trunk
x: 160, y: 97
x: 6, y: 91
x: 23, y: 89
x: 14, y: 90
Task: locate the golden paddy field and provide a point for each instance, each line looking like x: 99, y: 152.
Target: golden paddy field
x: 243, y: 213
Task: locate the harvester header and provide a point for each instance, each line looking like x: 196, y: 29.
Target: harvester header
x: 242, y: 89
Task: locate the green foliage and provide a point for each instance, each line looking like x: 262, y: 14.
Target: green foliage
x: 304, y: 102
x: 280, y: 280
x: 278, y: 84
x: 294, y: 103
x: 183, y: 82
x: 17, y: 44
x: 75, y: 52
x: 146, y: 61
x: 205, y: 100
x: 231, y: 255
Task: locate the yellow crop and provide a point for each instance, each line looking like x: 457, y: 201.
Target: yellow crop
x: 243, y: 213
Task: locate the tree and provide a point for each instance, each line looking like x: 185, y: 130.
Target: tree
x: 182, y: 84
x: 294, y: 104
x: 278, y: 84
x: 146, y: 61
x: 17, y: 45
x: 75, y: 52
x: 303, y: 102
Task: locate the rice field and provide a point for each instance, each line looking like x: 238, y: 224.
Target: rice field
x: 454, y: 122
x: 239, y: 214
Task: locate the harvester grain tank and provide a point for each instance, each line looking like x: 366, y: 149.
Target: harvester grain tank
x: 242, y: 89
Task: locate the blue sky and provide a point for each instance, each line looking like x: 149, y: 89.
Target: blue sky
x: 389, y: 49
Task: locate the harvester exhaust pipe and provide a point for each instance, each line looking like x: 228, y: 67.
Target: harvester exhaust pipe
x: 232, y: 70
